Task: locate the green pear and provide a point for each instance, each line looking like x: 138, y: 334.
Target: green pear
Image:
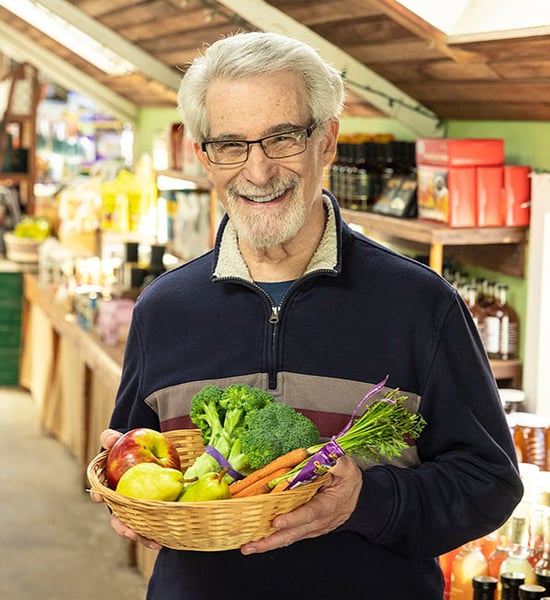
x: 150, y: 481
x: 211, y: 486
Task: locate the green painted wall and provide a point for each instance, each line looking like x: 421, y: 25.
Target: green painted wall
x: 151, y: 121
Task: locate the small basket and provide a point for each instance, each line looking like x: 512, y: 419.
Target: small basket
x: 21, y: 249
x: 205, y: 526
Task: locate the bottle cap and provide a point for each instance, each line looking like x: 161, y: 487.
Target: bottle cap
x: 484, y: 582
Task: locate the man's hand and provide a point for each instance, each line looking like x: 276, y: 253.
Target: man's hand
x: 107, y: 438
x: 328, y: 509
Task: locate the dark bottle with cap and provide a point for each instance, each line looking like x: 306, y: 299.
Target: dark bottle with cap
x: 530, y: 591
x: 484, y: 587
x: 509, y: 585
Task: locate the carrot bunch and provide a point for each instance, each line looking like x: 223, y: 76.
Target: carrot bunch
x: 258, y: 481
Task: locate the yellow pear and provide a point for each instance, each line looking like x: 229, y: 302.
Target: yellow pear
x: 211, y: 486
x: 150, y: 481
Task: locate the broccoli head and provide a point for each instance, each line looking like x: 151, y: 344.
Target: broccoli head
x: 238, y: 401
x: 207, y: 413
x: 275, y: 430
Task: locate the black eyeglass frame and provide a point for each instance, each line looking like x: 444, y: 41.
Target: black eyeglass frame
x: 308, y: 131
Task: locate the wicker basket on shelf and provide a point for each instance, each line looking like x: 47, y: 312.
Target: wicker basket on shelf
x: 205, y: 526
x: 21, y: 249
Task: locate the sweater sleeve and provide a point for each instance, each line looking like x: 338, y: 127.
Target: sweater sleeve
x: 130, y: 408
x: 467, y: 483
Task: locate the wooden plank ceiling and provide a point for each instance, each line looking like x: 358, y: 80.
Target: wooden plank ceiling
x: 500, y: 79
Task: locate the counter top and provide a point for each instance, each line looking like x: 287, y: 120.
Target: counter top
x: 105, y: 360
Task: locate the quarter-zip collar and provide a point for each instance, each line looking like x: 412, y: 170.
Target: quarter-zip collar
x: 229, y: 263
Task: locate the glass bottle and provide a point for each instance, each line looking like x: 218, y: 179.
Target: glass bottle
x: 484, y: 587
x: 530, y: 591
x: 468, y: 563
x: 509, y: 324
x: 535, y: 548
x: 517, y: 559
x: 542, y: 568
x: 509, y: 585
x: 500, y: 553
x: 334, y: 171
x: 360, y: 188
x: 446, y: 565
x: 470, y: 295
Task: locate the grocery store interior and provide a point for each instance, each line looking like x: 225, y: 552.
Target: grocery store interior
x: 444, y: 155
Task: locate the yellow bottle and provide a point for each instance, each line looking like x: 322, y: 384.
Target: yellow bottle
x: 468, y: 563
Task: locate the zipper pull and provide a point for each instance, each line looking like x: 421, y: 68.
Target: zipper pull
x: 274, y: 318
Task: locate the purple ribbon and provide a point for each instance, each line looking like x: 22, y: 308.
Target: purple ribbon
x: 375, y: 389
x: 223, y: 462
x: 319, y: 463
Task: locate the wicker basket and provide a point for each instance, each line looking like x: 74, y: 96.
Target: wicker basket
x: 21, y: 249
x: 205, y: 526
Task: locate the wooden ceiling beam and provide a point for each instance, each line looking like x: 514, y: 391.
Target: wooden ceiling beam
x: 376, y: 91
x: 64, y: 74
x: 143, y: 61
x: 421, y: 28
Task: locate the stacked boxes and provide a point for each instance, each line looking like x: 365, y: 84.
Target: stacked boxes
x: 464, y: 183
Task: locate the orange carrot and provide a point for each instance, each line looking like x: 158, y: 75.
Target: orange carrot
x: 260, y: 486
x: 288, y: 461
x: 280, y: 487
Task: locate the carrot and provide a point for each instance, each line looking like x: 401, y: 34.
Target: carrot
x: 261, y: 485
x: 280, y: 487
x: 288, y: 461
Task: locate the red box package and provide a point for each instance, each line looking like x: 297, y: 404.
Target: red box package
x: 489, y: 182
x: 447, y: 195
x: 463, y: 152
x: 516, y: 202
x: 449, y: 182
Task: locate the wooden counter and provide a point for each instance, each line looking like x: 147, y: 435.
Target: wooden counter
x: 72, y: 375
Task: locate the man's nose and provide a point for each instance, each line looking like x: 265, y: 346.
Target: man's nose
x: 258, y: 168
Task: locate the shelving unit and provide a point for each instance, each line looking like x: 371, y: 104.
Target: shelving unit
x: 497, y: 248
x: 22, y: 91
x: 202, y: 184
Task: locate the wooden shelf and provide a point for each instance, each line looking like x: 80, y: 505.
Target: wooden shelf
x: 497, y: 248
x: 507, y: 371
x: 201, y: 182
x: 24, y: 87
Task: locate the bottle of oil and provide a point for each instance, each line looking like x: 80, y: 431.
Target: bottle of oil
x: 470, y: 295
x: 509, y: 585
x: 484, y: 587
x: 468, y: 563
x: 542, y: 568
x: 509, y: 324
x: 530, y: 591
x: 517, y: 560
x: 501, y: 551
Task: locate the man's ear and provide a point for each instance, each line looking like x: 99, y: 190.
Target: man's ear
x: 203, y: 159
x: 332, y: 129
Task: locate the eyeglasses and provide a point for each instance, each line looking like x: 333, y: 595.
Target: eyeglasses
x: 278, y: 145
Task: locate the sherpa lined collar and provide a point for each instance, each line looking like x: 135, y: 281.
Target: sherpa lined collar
x: 230, y: 263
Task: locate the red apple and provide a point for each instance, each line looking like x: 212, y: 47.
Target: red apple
x: 140, y: 445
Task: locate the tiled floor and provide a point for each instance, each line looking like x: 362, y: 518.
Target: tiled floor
x: 55, y: 544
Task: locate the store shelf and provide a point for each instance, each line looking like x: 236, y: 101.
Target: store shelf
x: 498, y: 248
x: 508, y: 373
x: 201, y: 182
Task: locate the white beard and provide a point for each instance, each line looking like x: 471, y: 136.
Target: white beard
x: 269, y: 228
